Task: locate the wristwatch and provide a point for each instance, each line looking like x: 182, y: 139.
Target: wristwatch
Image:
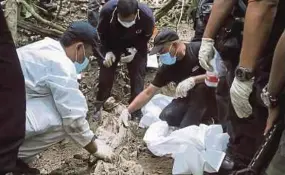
x: 269, y: 100
x: 243, y: 74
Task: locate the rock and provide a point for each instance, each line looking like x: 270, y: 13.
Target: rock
x: 109, y: 104
x: 78, y: 156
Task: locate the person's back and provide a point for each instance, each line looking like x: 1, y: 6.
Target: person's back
x: 40, y: 59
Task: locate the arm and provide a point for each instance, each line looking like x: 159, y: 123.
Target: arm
x: 71, y: 105
x: 143, y: 98
x: 146, y: 35
x: 199, y: 78
x: 220, y: 11
x: 103, y: 29
x: 276, y: 80
x: 277, y: 75
x: 258, y: 24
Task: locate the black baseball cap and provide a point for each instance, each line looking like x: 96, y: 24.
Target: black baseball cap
x: 80, y: 31
x: 165, y: 36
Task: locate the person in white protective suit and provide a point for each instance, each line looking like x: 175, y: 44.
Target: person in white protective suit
x: 56, y: 108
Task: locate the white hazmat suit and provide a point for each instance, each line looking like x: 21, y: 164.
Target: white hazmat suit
x: 56, y: 108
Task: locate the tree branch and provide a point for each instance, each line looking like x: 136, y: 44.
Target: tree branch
x: 161, y: 12
x: 38, y: 17
x: 41, y: 31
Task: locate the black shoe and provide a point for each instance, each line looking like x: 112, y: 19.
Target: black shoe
x: 48, y: 5
x: 227, y: 166
x: 23, y: 169
x: 137, y: 115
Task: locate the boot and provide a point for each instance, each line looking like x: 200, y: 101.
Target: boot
x: 23, y: 169
x: 98, y: 105
x: 48, y: 5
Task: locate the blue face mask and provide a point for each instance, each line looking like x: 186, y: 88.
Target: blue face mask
x: 81, y: 66
x: 167, y: 59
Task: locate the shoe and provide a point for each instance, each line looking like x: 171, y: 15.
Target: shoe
x: 98, y: 105
x: 137, y: 115
x: 48, y: 5
x: 227, y: 166
x: 23, y: 169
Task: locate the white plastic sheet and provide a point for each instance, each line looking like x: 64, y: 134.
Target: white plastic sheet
x: 195, y: 148
x: 152, y: 61
x: 153, y: 108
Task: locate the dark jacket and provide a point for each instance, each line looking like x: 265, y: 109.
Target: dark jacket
x: 12, y: 100
x: 114, y: 37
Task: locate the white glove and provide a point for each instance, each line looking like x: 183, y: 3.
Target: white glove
x: 124, y: 117
x: 240, y: 92
x: 184, y: 86
x: 206, y: 53
x: 110, y: 58
x: 104, y: 151
x: 129, y: 58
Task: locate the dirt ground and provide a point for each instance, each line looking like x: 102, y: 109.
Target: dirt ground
x: 66, y: 158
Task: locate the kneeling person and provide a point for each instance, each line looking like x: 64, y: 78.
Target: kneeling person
x: 194, y: 102
x: 56, y: 108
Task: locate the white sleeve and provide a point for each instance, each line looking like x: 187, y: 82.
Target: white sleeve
x: 70, y: 103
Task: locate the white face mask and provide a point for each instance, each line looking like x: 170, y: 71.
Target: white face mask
x: 127, y: 24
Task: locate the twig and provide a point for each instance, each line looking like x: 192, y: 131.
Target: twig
x: 181, y: 14
x: 161, y: 12
x: 59, y: 10
x: 46, y: 32
x: 38, y: 17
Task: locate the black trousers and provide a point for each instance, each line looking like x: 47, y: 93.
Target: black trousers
x: 246, y: 134
x: 198, y: 107
x: 12, y: 100
x: 136, y: 69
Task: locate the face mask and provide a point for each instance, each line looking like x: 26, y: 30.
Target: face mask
x: 167, y: 58
x: 81, y: 66
x: 127, y: 24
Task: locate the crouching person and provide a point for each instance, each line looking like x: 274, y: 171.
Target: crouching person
x: 194, y: 102
x: 56, y: 108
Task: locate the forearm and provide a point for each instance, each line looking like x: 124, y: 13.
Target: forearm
x: 199, y: 78
x: 220, y: 11
x: 258, y: 24
x: 142, y: 99
x: 277, y: 75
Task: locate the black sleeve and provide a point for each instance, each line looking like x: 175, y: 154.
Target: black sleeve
x: 148, y: 23
x: 104, y: 28
x: 162, y: 77
x: 12, y: 99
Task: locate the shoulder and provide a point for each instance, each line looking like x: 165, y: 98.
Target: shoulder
x: 192, y: 49
x: 109, y: 7
x: 146, y: 12
x: 47, y: 54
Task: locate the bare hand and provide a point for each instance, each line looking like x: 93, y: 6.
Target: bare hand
x: 272, y: 117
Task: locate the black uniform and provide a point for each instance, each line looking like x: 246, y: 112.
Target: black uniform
x: 248, y: 132
x: 199, y: 105
x: 12, y: 100
x: 116, y: 38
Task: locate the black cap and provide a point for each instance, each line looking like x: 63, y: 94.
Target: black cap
x: 127, y: 7
x: 161, y: 38
x: 80, y: 31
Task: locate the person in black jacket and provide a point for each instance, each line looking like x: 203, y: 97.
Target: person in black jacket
x: 12, y: 104
x: 125, y: 27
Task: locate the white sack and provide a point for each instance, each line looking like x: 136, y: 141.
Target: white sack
x: 195, y: 148
x: 153, y: 108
